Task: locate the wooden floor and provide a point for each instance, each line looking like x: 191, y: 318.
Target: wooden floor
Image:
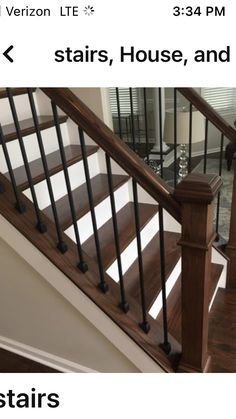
x: 222, y: 325
x: 222, y: 332
x: 174, y: 302
x: 10, y: 363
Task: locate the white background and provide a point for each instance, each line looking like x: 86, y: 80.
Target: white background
x: 146, y: 25
x: 116, y: 396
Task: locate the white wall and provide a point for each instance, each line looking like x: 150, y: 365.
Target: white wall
x: 97, y: 99
x: 33, y: 313
x: 40, y: 306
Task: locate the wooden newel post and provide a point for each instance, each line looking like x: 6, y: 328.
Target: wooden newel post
x: 196, y: 193
x: 230, y: 249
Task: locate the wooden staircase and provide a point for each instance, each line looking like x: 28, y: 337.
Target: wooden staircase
x: 221, y: 342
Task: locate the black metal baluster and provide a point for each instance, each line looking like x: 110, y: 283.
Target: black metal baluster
x: 190, y: 137
x: 161, y: 132
x: 132, y: 118
x: 147, y: 148
x: 144, y: 325
x: 175, y: 138
x: 123, y: 304
x: 219, y: 194
x: 40, y: 224
x: 19, y: 204
x: 62, y: 246
x: 118, y: 111
x: 82, y: 265
x: 103, y: 285
x: 165, y: 345
x: 205, y: 146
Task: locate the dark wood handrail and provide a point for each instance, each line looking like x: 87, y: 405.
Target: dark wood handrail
x: 209, y: 112
x: 115, y: 148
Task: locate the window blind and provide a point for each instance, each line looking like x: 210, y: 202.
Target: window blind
x: 124, y: 99
x: 222, y: 99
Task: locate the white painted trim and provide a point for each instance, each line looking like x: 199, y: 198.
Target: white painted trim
x: 45, y: 358
x: 77, y: 298
x: 210, y: 151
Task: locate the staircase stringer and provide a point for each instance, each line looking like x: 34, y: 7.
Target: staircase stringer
x: 119, y: 328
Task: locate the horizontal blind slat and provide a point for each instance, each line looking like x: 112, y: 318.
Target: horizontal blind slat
x: 222, y: 99
x: 124, y: 99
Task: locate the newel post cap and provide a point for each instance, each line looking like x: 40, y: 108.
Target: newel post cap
x: 198, y: 188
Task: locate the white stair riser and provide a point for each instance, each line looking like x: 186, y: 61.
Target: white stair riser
x: 103, y: 214
x: 32, y: 149
x: 218, y: 258
x: 129, y: 255
x: 115, y: 168
x: 157, y: 305
x: 220, y: 284
x: 22, y: 107
x: 144, y: 196
x: 77, y: 178
x: 74, y: 135
x: 170, y: 224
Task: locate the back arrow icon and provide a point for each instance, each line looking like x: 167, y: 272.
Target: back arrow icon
x: 5, y: 53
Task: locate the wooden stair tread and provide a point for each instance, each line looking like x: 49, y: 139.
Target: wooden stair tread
x: 27, y: 126
x: 16, y: 91
x: 126, y: 228
x: 174, y: 302
x: 100, y: 190
x: 222, y: 331
x: 73, y: 155
x: 151, y: 266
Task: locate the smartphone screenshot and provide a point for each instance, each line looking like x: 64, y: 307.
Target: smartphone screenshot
x: 117, y: 207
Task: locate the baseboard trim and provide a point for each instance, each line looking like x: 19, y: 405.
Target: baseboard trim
x: 45, y: 358
x: 170, y: 156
